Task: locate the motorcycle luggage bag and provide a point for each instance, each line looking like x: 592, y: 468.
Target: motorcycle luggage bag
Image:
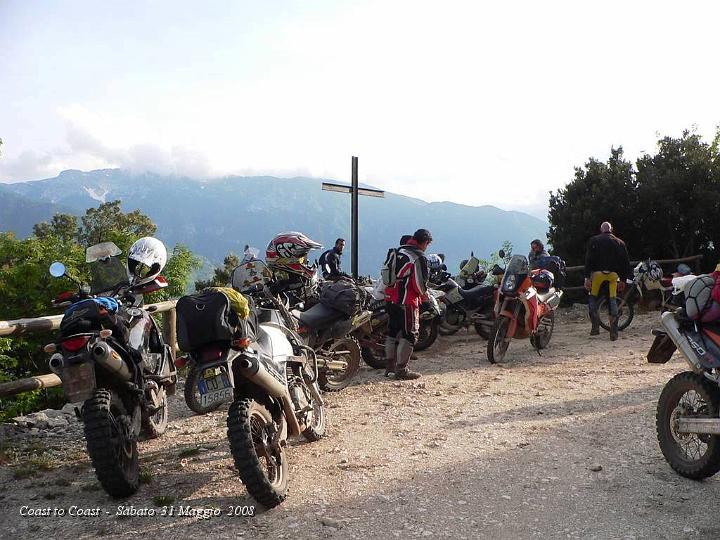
x: 92, y: 315
x: 698, y: 296
x: 342, y: 295
x: 556, y: 265
x: 204, y: 318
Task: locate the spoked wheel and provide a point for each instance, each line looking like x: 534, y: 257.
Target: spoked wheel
x: 626, y: 312
x: 427, y: 334
x: 314, y: 419
x: 693, y: 455
x: 110, y: 444
x: 373, y: 350
x: 499, y: 341
x: 155, y: 425
x: 192, y: 393
x: 542, y: 336
x: 345, y: 353
x: 259, y: 457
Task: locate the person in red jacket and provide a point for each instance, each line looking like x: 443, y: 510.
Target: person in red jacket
x: 404, y: 299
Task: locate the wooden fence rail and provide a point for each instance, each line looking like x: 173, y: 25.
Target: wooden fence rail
x: 44, y: 325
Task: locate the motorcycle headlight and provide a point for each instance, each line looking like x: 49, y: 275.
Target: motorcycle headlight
x: 510, y: 282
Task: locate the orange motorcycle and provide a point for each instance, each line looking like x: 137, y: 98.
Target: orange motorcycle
x: 525, y: 307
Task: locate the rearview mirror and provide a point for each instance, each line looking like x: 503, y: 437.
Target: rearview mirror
x: 501, y: 253
x: 57, y: 269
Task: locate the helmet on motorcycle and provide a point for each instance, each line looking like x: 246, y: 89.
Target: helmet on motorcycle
x: 146, y: 259
x: 434, y: 261
x: 683, y: 269
x: 542, y: 280
x: 288, y: 252
x: 654, y: 273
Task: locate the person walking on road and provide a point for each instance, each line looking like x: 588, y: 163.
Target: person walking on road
x: 606, y: 260
x: 404, y: 299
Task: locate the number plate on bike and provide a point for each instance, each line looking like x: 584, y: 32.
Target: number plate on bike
x: 215, y: 389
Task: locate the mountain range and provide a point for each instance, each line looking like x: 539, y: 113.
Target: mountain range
x: 215, y: 217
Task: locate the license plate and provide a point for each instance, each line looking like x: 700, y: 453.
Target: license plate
x: 215, y: 389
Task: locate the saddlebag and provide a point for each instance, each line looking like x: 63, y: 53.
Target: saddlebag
x: 92, y: 315
x: 342, y: 295
x: 203, y: 318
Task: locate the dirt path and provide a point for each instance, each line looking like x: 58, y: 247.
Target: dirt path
x: 468, y: 451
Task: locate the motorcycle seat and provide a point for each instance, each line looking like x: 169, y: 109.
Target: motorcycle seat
x: 477, y: 293
x: 320, y: 316
x: 545, y: 296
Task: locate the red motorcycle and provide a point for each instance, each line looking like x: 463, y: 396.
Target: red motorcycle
x: 524, y: 308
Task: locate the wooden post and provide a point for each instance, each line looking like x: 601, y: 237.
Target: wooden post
x: 354, y: 219
x: 26, y: 385
x: 170, y: 330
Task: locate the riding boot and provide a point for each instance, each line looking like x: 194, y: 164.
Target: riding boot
x: 404, y: 352
x: 391, y: 346
x: 594, y: 315
x: 613, y: 327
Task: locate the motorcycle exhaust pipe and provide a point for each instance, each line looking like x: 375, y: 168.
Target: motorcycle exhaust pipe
x: 56, y: 363
x: 672, y: 327
x: 254, y: 371
x: 110, y: 360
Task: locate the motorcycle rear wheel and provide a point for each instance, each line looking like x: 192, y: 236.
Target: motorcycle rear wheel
x: 334, y: 380
x: 498, y: 343
x: 262, y: 467
x: 427, y: 334
x: 192, y: 394
x: 113, y: 453
x: 155, y: 425
x: 626, y: 313
x: 692, y: 455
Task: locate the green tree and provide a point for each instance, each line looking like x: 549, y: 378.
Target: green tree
x: 178, y: 270
x: 222, y: 274
x: 63, y: 226
x: 679, y: 197
x: 108, y: 223
x: 599, y: 192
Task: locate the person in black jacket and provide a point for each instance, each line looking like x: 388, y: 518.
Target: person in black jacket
x: 606, y: 261
x: 330, y: 261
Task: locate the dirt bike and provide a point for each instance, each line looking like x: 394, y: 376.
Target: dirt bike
x: 372, y: 332
x: 267, y: 373
x: 467, y: 307
x: 110, y: 355
x: 688, y: 410
x: 521, y: 310
x: 647, y: 276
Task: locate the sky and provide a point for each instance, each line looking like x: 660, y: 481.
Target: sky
x: 466, y: 101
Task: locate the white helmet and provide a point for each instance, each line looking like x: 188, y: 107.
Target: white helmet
x: 146, y: 259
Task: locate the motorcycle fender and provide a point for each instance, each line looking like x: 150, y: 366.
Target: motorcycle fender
x: 512, y: 327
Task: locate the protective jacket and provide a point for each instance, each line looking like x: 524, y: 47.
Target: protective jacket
x: 412, y: 277
x: 607, y: 253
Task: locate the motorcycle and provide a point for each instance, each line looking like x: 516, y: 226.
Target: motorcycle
x: 265, y: 370
x: 110, y: 355
x: 521, y: 310
x: 372, y: 332
x: 467, y: 307
x: 647, y: 276
x: 688, y: 410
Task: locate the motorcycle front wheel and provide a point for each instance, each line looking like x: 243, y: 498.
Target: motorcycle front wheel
x: 113, y: 452
x: 542, y: 336
x: 692, y: 455
x: 427, y: 334
x: 346, y: 351
x: 155, y: 425
x: 499, y: 342
x: 260, y: 460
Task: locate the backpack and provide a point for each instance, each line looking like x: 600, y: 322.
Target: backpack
x: 342, y: 295
x: 388, y: 272
x: 698, y: 297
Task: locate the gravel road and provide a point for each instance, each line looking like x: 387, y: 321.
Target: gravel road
x: 558, y: 446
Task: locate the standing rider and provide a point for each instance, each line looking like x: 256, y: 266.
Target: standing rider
x: 405, y: 297
x: 606, y: 260
x: 330, y: 261
x: 537, y: 250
